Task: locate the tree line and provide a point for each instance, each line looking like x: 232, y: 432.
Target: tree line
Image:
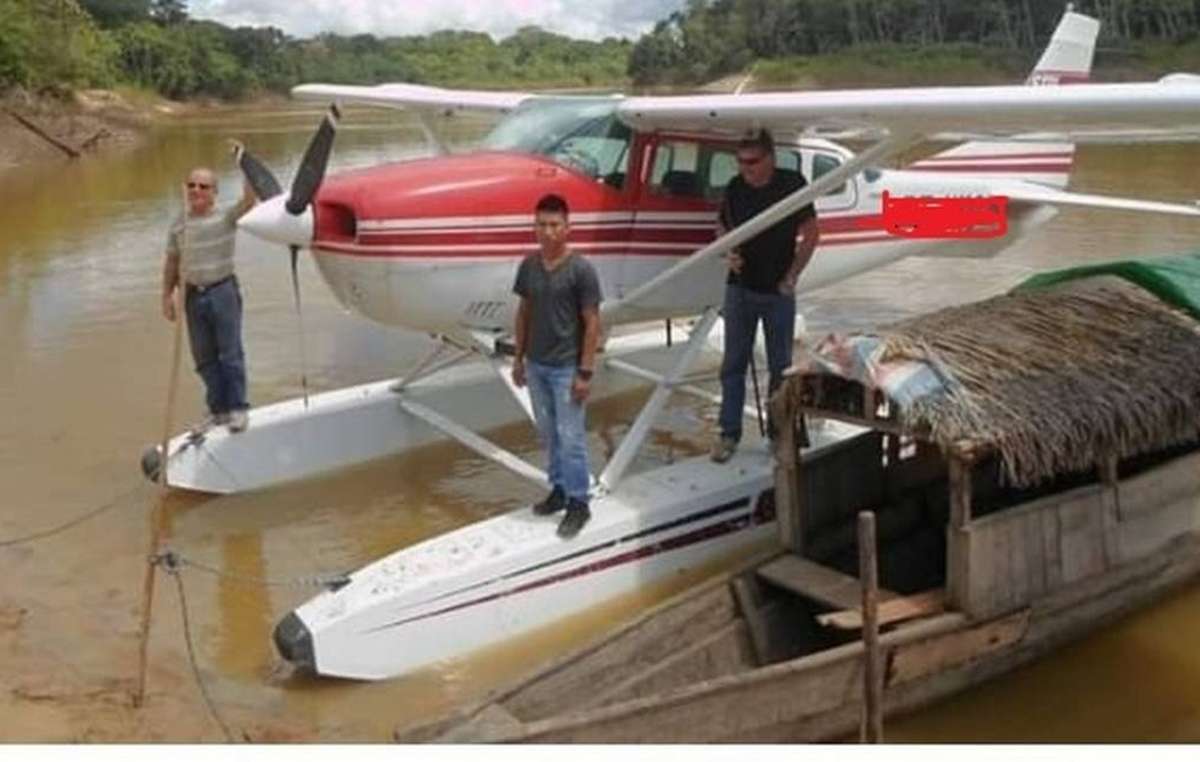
x: 67, y: 44
x: 155, y: 44
x: 707, y: 39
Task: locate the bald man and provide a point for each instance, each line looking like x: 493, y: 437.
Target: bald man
x: 199, y: 259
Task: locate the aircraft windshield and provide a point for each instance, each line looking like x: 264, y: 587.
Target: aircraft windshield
x: 581, y: 133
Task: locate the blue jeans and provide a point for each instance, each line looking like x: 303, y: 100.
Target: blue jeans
x: 214, y: 320
x: 742, y: 310
x: 560, y: 422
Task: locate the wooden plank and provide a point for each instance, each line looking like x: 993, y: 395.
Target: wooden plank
x: 820, y: 583
x: 878, y: 424
x: 747, y: 600
x: 872, y: 717
x: 493, y: 722
x: 960, y: 493
x: 1160, y: 487
x: 725, y: 652
x: 927, y: 603
x: 939, y: 654
x: 788, y: 494
x: 1081, y: 535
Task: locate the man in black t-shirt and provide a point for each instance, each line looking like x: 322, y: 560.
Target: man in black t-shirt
x: 762, y: 278
x: 557, y: 329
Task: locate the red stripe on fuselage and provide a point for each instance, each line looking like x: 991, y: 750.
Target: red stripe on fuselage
x: 605, y: 242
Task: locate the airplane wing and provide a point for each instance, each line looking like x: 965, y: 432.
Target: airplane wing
x: 996, y: 111
x: 401, y: 95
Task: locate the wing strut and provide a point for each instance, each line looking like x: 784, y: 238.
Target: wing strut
x: 633, y: 440
x: 616, y: 310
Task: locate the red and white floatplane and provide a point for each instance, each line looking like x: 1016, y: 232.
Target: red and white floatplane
x: 432, y: 245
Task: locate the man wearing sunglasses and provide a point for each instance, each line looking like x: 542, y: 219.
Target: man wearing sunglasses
x: 762, y: 278
x: 199, y: 259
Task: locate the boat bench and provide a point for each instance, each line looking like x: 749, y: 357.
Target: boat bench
x: 819, y: 583
x: 842, y: 592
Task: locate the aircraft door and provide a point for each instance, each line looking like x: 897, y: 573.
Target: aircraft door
x: 682, y: 181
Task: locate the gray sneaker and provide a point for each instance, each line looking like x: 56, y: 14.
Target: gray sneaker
x: 723, y: 449
x: 238, y: 420
x: 202, y: 427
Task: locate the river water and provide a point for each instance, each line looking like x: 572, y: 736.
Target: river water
x: 83, y: 389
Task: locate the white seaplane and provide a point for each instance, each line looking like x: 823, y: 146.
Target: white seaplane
x: 432, y: 245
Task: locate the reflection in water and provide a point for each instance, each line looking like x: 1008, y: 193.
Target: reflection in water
x: 81, y: 393
x: 244, y: 638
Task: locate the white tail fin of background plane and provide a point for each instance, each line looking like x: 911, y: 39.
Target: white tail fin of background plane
x: 1066, y: 60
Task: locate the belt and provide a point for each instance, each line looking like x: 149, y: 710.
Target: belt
x: 195, y: 289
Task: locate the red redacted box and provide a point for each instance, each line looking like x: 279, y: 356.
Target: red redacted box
x: 945, y: 217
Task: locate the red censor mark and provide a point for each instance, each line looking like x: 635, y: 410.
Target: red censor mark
x: 944, y: 217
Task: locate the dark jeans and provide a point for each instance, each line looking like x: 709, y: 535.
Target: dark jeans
x: 742, y: 310
x: 214, y: 319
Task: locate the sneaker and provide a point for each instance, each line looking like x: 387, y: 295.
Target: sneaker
x: 723, y: 449
x: 578, y: 514
x: 238, y: 421
x: 554, y: 502
x: 202, y: 427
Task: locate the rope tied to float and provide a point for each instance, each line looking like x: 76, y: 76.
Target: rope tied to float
x: 174, y: 561
x: 170, y: 561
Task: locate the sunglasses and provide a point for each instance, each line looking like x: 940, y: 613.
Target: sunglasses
x: 199, y: 186
x: 748, y: 161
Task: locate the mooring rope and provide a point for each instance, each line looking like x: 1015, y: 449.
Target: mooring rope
x: 169, y: 561
x: 323, y: 581
x: 72, y: 523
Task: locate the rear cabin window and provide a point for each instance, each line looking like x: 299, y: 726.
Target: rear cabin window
x: 695, y: 170
x: 824, y: 163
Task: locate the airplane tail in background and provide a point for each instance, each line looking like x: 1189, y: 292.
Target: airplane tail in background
x: 1066, y: 60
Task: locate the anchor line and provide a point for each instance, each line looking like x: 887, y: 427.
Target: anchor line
x: 72, y: 523
x: 169, y: 562
x: 323, y: 581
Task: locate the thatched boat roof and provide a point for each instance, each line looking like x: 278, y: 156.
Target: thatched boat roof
x: 1054, y: 380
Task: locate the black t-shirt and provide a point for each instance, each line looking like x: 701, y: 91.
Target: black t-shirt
x: 556, y: 299
x: 770, y: 253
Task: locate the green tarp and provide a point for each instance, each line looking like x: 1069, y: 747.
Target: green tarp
x: 1174, y: 279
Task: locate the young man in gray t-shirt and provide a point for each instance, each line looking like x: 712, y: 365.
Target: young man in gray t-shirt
x: 557, y: 330
x: 199, y: 260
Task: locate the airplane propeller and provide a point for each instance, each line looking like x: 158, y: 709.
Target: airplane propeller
x: 304, y: 189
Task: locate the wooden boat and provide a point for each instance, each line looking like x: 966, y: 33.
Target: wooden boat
x: 1048, y: 484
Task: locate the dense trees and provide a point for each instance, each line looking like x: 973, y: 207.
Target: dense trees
x: 154, y: 44
x: 710, y: 38
x: 61, y: 44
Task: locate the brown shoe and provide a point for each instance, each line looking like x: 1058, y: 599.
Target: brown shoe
x: 723, y: 449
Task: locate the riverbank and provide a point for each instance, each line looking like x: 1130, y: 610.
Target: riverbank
x: 45, y: 130
x: 42, y: 129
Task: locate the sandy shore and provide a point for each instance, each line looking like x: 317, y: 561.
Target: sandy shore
x: 90, y: 122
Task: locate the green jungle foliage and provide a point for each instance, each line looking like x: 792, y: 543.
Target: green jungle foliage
x: 57, y: 45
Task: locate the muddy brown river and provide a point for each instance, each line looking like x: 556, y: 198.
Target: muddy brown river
x: 83, y: 389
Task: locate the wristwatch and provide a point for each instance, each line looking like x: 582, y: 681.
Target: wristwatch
x: 584, y: 373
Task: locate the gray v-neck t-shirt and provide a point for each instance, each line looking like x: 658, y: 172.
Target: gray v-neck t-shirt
x: 556, y: 299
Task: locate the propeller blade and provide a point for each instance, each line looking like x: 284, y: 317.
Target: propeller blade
x: 295, y: 250
x: 312, y: 166
x: 261, y: 180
